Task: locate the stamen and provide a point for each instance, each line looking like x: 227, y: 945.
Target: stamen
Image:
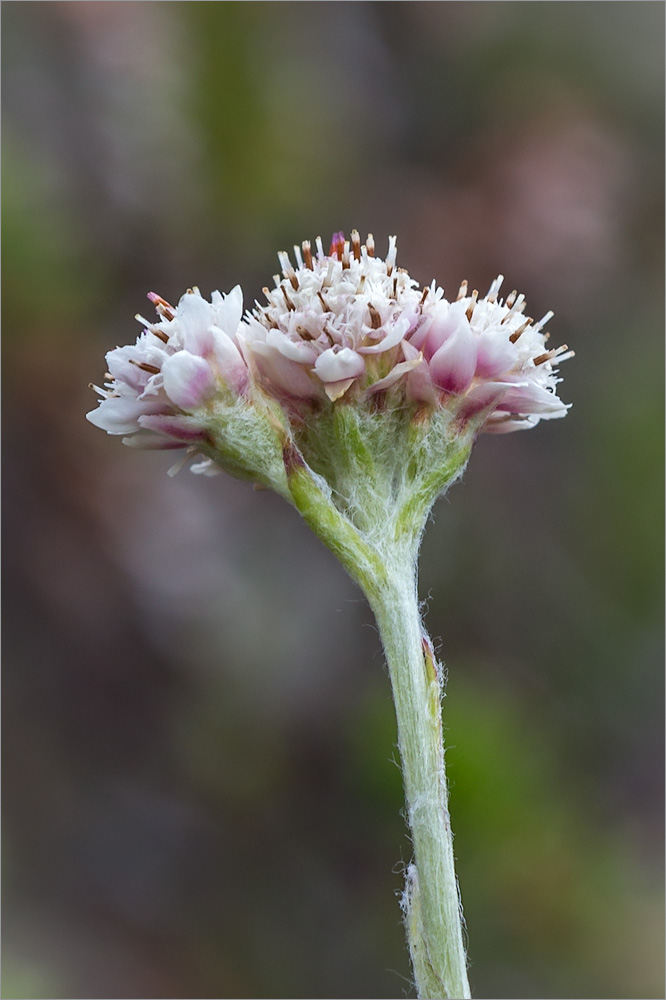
x: 516, y: 307
x: 370, y: 245
x: 470, y: 308
x: 356, y: 244
x: 297, y: 255
x: 162, y: 306
x: 375, y: 318
x: 511, y: 298
x: 494, y: 288
x: 544, y: 319
x: 391, y: 255
x: 144, y: 366
x: 287, y: 269
x: 345, y: 255
x: 160, y: 334
x: 323, y: 301
x: 320, y: 249
x: 462, y: 291
x: 549, y: 355
x: 337, y: 245
x: 289, y: 303
x: 424, y: 296
x: 307, y: 254
x: 521, y: 329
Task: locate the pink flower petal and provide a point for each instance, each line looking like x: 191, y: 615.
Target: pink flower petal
x: 532, y: 398
x: 452, y: 366
x: 228, y: 310
x: 286, y: 376
x: 446, y: 320
x: 187, y: 430
x: 187, y: 379
x: 332, y: 366
x: 397, y: 372
x: 230, y: 361
x: 295, y: 350
x: 120, y: 414
x: 495, y: 353
x: 392, y: 338
x: 195, y: 317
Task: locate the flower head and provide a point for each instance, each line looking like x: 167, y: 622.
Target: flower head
x: 340, y: 328
x: 348, y: 323
x: 178, y: 363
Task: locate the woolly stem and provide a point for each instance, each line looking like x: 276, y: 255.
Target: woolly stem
x: 383, y: 563
x: 431, y: 903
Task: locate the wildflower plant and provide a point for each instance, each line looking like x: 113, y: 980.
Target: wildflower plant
x: 357, y: 396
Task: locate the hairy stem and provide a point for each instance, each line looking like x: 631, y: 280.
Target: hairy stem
x: 383, y: 563
x: 431, y: 903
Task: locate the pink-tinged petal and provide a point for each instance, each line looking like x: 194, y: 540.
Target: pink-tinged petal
x: 230, y: 361
x: 397, y: 372
x: 495, y: 353
x: 532, y: 398
x: 228, y: 310
x: 452, y: 366
x: 149, y: 441
x: 195, y: 317
x: 418, y: 334
x: 188, y: 380
x: 507, y: 424
x: 392, y: 338
x: 482, y: 397
x: 295, y: 350
x: 286, y: 376
x: 333, y: 366
x: 120, y: 414
x: 419, y: 386
x: 187, y: 430
x: 123, y: 364
x: 446, y: 320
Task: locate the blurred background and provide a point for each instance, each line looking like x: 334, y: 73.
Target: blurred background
x: 201, y: 797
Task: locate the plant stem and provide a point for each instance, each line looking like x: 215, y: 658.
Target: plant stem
x: 431, y: 903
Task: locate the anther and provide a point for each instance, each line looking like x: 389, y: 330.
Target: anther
x: 375, y: 318
x: 549, y: 355
x: 307, y: 254
x: 144, y: 366
x: 337, y: 245
x: 462, y: 291
x: 289, y: 303
x: 160, y: 334
x: 521, y: 329
x: 162, y: 306
x: 370, y: 245
x: 323, y: 301
x: 356, y: 244
x: 511, y: 298
x: 470, y: 308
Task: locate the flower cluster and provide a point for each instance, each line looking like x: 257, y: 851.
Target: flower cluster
x: 339, y: 327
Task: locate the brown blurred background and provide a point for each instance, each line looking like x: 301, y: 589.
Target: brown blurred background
x: 201, y: 799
